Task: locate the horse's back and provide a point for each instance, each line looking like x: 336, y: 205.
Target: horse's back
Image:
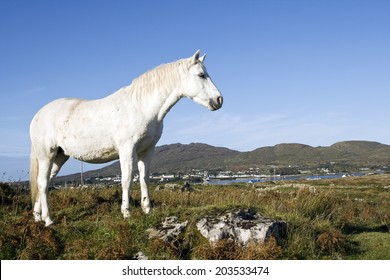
x: 51, y: 114
x: 58, y: 106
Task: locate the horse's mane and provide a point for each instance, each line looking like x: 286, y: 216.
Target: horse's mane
x: 165, y: 77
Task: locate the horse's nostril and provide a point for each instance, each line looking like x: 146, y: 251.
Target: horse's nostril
x: 220, y: 100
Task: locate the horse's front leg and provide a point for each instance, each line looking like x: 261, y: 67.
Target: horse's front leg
x: 127, y: 169
x: 144, y: 161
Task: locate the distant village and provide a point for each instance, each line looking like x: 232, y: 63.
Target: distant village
x: 252, y: 174
x: 197, y: 176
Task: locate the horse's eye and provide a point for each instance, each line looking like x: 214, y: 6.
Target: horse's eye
x: 202, y: 75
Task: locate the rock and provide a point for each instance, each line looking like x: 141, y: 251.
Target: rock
x: 187, y: 188
x: 140, y: 256
x: 168, y: 187
x: 242, y: 226
x: 169, y: 230
x: 174, y: 187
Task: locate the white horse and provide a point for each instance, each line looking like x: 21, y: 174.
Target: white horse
x: 125, y: 125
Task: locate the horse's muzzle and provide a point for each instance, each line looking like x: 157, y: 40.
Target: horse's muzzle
x: 217, y: 104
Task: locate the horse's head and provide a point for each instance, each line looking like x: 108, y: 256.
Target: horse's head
x: 198, y: 86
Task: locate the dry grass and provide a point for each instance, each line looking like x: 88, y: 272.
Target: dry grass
x: 329, y: 219
x: 228, y: 250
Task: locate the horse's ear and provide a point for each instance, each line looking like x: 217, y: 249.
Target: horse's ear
x: 201, y: 59
x: 195, y: 57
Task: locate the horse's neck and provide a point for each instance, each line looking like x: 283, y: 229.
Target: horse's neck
x: 168, y: 102
x: 154, y: 105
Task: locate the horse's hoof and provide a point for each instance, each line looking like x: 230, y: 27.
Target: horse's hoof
x: 126, y: 214
x: 146, y: 209
x: 48, y: 222
x: 37, y: 217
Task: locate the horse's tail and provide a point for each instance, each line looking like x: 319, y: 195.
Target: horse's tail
x: 34, y: 168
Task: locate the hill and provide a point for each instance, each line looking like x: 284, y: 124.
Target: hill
x: 182, y: 158
x: 351, y: 152
x: 179, y: 157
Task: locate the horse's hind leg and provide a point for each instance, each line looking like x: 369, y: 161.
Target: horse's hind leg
x: 43, y: 187
x: 48, y: 169
x: 37, y: 209
x: 58, y: 162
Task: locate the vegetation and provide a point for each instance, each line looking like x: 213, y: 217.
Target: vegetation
x: 346, y: 218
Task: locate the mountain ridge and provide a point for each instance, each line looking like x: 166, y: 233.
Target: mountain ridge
x: 185, y: 157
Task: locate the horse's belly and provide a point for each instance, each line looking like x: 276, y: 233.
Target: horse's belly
x: 92, y: 154
x: 99, y: 157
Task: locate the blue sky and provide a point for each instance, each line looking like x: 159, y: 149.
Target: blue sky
x: 312, y: 72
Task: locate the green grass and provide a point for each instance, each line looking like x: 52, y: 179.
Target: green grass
x: 371, y: 246
x: 327, y: 219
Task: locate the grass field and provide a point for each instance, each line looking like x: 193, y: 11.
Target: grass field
x: 346, y: 218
